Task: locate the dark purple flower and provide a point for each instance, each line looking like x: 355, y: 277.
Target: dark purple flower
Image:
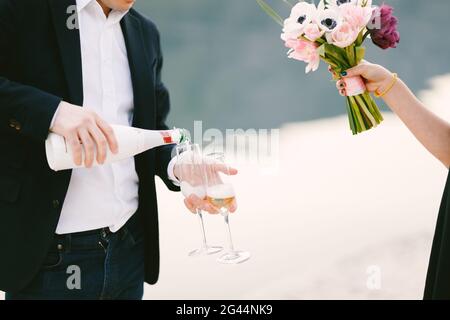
x: 383, y: 28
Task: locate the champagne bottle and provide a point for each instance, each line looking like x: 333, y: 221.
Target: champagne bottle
x: 131, y: 141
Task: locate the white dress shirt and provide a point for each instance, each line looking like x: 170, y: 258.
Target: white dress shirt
x: 104, y: 196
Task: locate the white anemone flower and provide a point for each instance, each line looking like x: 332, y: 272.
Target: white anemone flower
x: 301, y: 15
x: 329, y: 19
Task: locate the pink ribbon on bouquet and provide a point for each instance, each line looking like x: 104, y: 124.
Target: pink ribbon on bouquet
x: 354, y: 86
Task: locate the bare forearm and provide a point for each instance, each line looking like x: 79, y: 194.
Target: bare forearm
x: 429, y: 129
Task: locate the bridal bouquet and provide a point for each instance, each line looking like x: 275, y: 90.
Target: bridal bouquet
x: 334, y: 31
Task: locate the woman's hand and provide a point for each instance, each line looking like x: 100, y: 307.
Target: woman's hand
x: 376, y: 77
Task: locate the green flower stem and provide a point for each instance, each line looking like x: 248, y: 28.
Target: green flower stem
x: 351, y: 56
x: 271, y: 12
x: 375, y: 106
x: 336, y: 57
x: 366, y: 34
x: 369, y: 106
x: 351, y: 119
x: 360, y: 126
x: 368, y: 124
x: 330, y: 62
x: 377, y: 112
x: 320, y: 41
x: 363, y: 105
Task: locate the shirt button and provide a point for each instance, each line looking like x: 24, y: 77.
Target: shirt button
x: 55, y: 204
x: 15, y: 124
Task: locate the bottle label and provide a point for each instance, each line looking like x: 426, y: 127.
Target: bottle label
x: 167, y: 137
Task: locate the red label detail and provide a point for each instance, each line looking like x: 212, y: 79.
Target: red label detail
x: 167, y: 137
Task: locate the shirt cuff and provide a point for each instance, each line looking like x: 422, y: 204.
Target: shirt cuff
x: 170, y: 172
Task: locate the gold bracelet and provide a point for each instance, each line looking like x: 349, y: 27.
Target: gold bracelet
x: 389, y: 88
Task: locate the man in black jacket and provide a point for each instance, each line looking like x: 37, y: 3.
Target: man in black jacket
x: 84, y: 233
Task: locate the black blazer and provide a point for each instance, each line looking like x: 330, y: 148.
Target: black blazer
x: 40, y: 65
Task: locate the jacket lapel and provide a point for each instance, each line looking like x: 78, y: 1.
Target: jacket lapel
x: 141, y: 74
x: 69, y: 47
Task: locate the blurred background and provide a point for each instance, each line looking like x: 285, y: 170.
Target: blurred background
x: 344, y: 217
x: 343, y: 211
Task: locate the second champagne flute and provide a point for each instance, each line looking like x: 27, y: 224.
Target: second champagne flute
x: 221, y: 195
x: 190, y: 174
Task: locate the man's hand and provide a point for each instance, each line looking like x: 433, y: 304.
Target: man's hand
x: 84, y: 129
x: 193, y: 175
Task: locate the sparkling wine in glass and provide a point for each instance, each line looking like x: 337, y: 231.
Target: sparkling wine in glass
x: 190, y: 174
x: 221, y: 195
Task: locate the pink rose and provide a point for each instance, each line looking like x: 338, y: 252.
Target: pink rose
x: 356, y: 15
x: 313, y: 32
x: 305, y: 51
x: 344, y: 35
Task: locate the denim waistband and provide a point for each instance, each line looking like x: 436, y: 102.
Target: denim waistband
x: 94, y: 239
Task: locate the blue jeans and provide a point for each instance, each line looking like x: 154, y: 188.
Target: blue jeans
x: 91, y: 265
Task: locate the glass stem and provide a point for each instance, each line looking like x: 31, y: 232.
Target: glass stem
x: 227, y: 222
x: 202, y: 227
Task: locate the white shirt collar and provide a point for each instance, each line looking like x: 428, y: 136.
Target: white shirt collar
x: 114, y: 17
x: 81, y: 4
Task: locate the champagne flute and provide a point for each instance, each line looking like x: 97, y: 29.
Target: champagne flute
x: 190, y: 172
x: 221, y: 195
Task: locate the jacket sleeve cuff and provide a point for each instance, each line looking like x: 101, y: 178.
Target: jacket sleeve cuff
x: 37, y: 124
